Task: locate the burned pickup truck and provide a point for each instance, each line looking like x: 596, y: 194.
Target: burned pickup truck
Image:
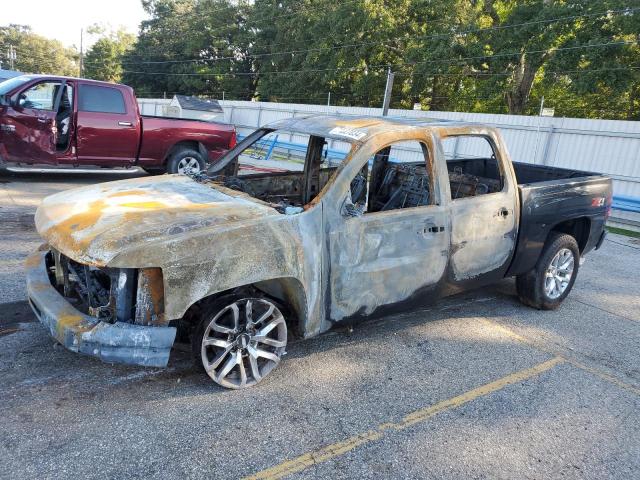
x: 305, y: 223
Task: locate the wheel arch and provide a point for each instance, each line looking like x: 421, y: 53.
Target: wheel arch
x: 193, y: 144
x: 579, y: 228
x: 287, y: 292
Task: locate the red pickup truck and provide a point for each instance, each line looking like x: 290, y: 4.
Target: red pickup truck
x: 72, y: 121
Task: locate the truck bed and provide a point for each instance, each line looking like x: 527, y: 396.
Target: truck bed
x: 527, y: 173
x: 550, y: 196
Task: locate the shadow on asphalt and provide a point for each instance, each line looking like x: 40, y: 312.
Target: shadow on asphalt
x: 48, y: 175
x: 195, y: 382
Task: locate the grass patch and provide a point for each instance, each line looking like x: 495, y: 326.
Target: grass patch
x: 623, y: 231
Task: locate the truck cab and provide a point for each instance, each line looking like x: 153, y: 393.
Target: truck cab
x: 71, y: 121
x: 66, y: 121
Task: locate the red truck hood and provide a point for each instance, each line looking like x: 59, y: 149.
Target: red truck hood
x: 93, y: 224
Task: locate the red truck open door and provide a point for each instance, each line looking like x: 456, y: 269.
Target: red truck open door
x: 29, y: 124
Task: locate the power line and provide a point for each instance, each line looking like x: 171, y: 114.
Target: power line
x: 511, y: 54
x: 377, y: 67
x: 359, y: 44
x: 507, y: 74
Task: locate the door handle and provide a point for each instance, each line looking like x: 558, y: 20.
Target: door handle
x: 503, y: 212
x: 125, y: 124
x: 43, y: 119
x: 433, y: 229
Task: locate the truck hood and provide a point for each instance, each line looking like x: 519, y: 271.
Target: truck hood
x: 94, y: 224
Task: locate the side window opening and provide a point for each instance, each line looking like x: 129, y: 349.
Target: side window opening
x: 396, y: 177
x: 472, y: 165
x: 94, y: 98
x: 40, y: 96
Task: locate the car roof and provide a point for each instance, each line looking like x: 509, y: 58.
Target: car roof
x: 61, y: 77
x: 357, y: 129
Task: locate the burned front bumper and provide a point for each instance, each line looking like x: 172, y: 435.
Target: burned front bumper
x: 117, y: 342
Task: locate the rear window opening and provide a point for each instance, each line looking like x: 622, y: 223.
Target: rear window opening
x: 472, y: 165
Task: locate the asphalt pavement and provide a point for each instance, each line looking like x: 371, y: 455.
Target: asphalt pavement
x: 478, y: 386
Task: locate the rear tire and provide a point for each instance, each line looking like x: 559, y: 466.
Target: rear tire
x: 546, y: 285
x: 185, y: 160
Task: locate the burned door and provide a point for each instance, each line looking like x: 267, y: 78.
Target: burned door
x: 388, y: 241
x: 483, y: 208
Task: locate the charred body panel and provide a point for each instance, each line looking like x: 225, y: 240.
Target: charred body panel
x: 113, y: 341
x: 433, y: 228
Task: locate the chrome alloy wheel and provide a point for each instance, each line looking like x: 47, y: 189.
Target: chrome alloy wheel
x: 244, y: 342
x: 188, y: 165
x: 559, y: 273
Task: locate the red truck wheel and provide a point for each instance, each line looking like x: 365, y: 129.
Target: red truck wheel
x: 185, y: 160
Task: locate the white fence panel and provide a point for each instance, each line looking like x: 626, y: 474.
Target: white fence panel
x: 606, y: 146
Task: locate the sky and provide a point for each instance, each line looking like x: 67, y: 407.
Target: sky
x: 63, y: 20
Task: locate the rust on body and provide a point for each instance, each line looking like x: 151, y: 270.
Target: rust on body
x: 191, y: 239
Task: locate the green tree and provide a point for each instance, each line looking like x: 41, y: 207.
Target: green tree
x: 342, y: 48
x: 499, y: 56
x: 35, y: 53
x: 195, y: 47
x: 103, y: 61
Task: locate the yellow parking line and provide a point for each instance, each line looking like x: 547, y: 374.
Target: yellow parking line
x: 307, y: 460
x: 594, y: 371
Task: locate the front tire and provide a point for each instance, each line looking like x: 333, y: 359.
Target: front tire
x: 239, y: 340
x: 184, y: 161
x: 551, y: 280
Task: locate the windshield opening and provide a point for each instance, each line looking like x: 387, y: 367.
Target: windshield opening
x: 9, y: 85
x: 287, y: 169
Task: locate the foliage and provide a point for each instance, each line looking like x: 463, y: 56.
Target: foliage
x: 498, y: 56
x: 104, y: 59
x: 36, y: 54
x: 194, y: 47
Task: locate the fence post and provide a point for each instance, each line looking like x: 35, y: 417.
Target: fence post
x: 455, y: 145
x: 259, y: 116
x: 547, y: 145
x: 231, y: 109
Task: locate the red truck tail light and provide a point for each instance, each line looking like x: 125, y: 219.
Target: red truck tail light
x: 234, y: 139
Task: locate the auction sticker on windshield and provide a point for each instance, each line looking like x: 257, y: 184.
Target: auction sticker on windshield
x: 349, y: 133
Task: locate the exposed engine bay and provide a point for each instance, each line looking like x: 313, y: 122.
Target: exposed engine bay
x: 109, y: 294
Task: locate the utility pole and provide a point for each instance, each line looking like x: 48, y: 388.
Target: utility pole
x: 387, y: 93
x: 81, y: 53
x: 12, y: 57
x: 535, y: 152
x: 329, y: 100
